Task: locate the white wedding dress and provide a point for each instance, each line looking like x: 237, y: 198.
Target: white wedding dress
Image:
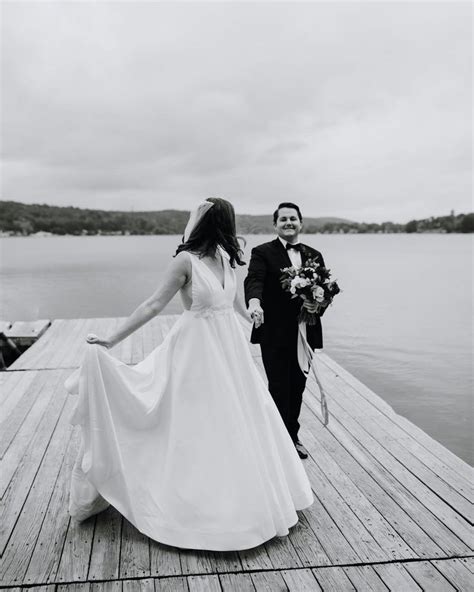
x: 188, y: 444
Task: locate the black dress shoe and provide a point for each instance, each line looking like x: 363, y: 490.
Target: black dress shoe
x: 301, y: 450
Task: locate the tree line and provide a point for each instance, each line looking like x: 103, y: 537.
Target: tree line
x: 460, y: 223
x: 26, y: 219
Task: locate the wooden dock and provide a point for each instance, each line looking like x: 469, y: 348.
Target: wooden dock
x: 392, y: 511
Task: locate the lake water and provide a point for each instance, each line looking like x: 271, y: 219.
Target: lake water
x: 403, y: 324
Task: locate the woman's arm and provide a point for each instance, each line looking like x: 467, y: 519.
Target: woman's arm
x: 177, y: 274
x: 239, y: 306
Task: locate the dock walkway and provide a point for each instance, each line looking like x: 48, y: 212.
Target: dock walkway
x: 392, y: 510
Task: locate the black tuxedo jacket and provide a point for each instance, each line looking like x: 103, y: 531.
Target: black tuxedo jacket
x: 280, y: 325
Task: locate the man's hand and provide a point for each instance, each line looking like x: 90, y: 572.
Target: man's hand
x: 311, y: 307
x: 256, y: 312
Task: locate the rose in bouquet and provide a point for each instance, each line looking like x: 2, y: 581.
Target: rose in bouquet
x: 311, y: 283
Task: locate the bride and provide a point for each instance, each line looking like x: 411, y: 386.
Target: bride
x: 188, y: 444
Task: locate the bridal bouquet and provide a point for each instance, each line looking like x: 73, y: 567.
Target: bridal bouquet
x: 310, y: 282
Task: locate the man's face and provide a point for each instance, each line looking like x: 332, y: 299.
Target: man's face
x: 288, y: 225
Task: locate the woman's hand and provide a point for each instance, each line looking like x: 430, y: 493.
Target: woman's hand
x: 92, y: 339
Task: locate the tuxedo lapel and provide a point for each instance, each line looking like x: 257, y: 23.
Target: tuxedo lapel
x: 281, y: 254
x: 305, y: 254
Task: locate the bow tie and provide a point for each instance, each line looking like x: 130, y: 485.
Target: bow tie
x: 296, y: 247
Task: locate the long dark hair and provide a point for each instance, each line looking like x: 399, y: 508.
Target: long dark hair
x: 215, y: 228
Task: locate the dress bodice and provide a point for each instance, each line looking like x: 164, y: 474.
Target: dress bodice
x: 205, y: 290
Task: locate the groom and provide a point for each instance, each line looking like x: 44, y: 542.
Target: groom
x: 275, y: 315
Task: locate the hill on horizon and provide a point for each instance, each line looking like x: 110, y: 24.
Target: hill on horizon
x: 32, y: 218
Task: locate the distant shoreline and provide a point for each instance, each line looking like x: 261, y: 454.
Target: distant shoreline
x: 20, y: 219
x: 108, y: 235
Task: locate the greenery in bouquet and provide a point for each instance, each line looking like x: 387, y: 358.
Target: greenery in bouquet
x: 310, y: 282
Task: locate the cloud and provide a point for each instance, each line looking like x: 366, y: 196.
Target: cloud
x: 360, y: 110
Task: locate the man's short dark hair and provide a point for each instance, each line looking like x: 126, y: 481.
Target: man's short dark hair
x: 286, y: 204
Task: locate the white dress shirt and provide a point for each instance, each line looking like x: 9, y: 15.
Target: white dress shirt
x: 293, y: 254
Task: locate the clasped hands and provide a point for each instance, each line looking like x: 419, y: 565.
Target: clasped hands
x: 256, y: 312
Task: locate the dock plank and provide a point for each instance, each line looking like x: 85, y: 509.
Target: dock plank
x: 331, y: 538
x: 19, y: 486
x: 136, y: 346
x: 300, y: 580
x: 407, y: 527
x: 326, y: 473
x: 171, y: 585
x: 26, y: 330
x: 204, y: 584
x: 364, y: 577
x: 228, y: 561
x: 74, y: 587
x: 35, y: 357
x: 255, y: 559
x: 331, y: 579
x: 369, y: 480
x: 306, y: 543
x: 463, y: 484
x: 468, y: 562
x: 44, y: 561
x: 282, y: 553
x: 22, y: 541
x: 72, y: 338
x: 14, y: 416
x: 456, y: 573
x: 134, y: 552
x: 236, y: 583
x: 36, y: 384
x: 400, y: 485
x: 13, y: 386
x: 359, y: 521
x: 5, y: 325
x: 430, y: 445
x: 396, y: 577
x: 147, y: 340
x: 75, y: 557
x: 105, y: 552
x: 197, y: 562
x: 32, y: 588
x: 164, y: 560
x: 269, y: 581
x: 387, y: 433
x: 428, y: 577
x: 111, y: 586
x: 382, y: 493
x: 143, y: 585
x: 406, y: 488
x: 63, y: 345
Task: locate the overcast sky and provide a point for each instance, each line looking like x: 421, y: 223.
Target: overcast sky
x: 360, y: 110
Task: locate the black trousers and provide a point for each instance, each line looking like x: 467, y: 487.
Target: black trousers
x: 286, y: 382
